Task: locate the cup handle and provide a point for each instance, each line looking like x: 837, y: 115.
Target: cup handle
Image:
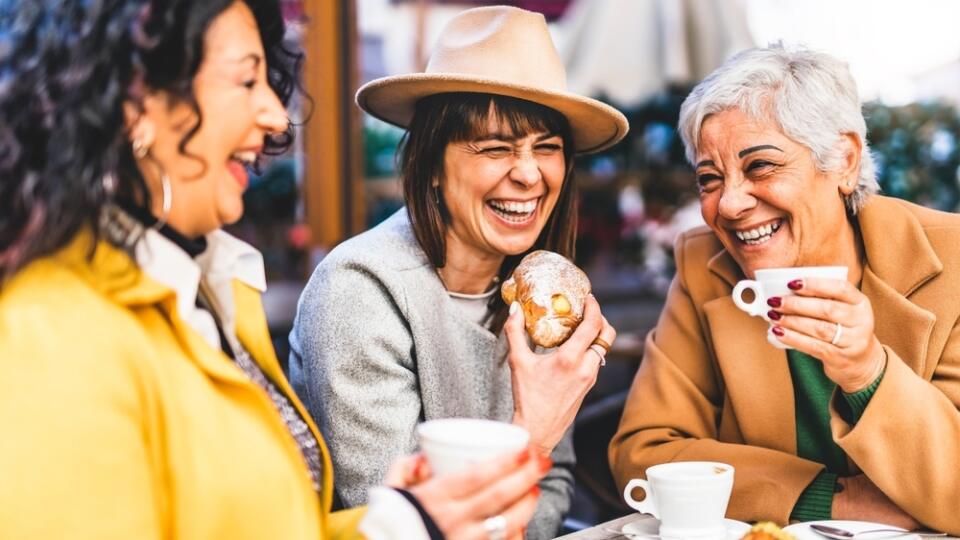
x: 755, y: 308
x: 646, y: 506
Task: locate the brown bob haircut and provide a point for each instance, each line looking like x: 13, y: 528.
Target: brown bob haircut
x: 444, y: 118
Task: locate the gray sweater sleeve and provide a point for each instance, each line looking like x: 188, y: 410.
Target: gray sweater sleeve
x: 351, y: 361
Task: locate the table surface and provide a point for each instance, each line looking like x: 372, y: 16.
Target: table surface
x: 611, y: 530
x: 606, y: 531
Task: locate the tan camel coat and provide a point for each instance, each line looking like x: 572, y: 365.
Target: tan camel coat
x: 710, y: 387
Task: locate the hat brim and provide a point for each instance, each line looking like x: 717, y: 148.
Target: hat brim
x: 595, y: 125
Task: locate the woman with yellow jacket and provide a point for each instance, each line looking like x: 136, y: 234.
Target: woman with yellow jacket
x: 139, y: 393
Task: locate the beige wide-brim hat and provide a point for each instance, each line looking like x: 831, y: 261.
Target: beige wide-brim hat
x: 497, y: 50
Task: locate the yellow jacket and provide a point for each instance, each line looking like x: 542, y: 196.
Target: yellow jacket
x: 117, y: 420
x: 710, y: 387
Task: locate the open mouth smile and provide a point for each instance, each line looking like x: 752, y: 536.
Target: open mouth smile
x: 514, y: 211
x: 759, y: 235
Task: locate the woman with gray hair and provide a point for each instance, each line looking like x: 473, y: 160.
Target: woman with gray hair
x: 858, y: 417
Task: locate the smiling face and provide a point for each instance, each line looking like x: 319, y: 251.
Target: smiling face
x: 499, y: 189
x: 238, y: 109
x: 763, y: 196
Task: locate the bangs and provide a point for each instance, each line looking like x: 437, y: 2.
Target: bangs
x: 467, y: 115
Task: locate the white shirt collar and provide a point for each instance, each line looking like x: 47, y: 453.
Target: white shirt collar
x: 225, y: 259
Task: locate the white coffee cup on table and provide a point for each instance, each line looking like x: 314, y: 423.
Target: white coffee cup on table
x: 688, y: 497
x: 453, y: 444
x: 770, y: 282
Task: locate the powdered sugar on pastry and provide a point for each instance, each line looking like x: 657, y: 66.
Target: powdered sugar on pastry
x: 551, y: 291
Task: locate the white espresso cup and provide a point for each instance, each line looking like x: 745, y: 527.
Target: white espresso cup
x: 453, y: 444
x: 688, y: 497
x: 773, y: 282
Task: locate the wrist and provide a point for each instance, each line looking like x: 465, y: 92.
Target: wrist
x: 838, y: 506
x: 542, y: 447
x: 878, y: 365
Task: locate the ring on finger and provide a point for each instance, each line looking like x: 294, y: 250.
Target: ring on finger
x: 496, y: 527
x: 836, y: 335
x: 601, y: 352
x: 601, y: 343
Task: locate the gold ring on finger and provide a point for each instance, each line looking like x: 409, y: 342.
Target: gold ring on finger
x: 602, y: 343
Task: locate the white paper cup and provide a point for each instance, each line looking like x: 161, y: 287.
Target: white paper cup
x: 453, y: 444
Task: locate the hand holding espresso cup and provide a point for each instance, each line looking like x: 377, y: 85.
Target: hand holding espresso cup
x: 548, y: 388
x: 818, y: 312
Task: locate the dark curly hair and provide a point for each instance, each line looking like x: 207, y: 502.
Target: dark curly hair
x: 66, y: 69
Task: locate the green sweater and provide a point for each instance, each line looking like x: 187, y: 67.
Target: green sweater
x: 812, y: 392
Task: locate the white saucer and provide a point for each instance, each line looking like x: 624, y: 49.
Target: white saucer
x: 803, y: 531
x: 650, y: 527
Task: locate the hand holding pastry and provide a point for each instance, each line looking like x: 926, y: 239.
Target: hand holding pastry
x: 549, y: 388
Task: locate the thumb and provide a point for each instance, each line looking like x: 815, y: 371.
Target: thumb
x: 513, y: 327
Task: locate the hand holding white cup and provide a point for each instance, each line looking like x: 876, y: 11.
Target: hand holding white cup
x: 772, y: 282
x: 453, y: 444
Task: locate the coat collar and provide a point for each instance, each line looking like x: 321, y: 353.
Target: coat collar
x: 757, y: 376
x: 113, y: 273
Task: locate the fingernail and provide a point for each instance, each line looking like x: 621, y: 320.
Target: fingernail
x: 774, y: 315
x: 774, y: 301
x: 523, y: 456
x: 777, y: 331
x: 535, y: 491
x: 545, y: 463
x: 795, y: 285
x: 514, y: 307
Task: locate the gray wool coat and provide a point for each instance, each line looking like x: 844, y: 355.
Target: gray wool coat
x: 378, y: 346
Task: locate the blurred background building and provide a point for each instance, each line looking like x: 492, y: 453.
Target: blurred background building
x: 642, y: 56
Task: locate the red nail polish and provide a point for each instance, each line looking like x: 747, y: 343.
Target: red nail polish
x: 777, y: 331
x: 774, y: 301
x: 774, y: 315
x: 795, y: 285
x: 535, y: 491
x: 545, y: 463
x: 523, y: 456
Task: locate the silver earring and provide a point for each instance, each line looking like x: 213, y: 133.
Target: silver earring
x: 436, y: 195
x: 109, y: 182
x: 167, y: 202
x: 140, y: 149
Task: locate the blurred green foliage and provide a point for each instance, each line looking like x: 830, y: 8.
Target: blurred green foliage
x: 916, y: 149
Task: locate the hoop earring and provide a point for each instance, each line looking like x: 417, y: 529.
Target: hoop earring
x: 140, y: 149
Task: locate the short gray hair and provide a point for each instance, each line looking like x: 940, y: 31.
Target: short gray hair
x: 811, y: 95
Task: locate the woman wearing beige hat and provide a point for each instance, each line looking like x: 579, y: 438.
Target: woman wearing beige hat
x: 403, y: 323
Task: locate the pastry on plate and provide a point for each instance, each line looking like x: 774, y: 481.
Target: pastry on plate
x: 766, y: 530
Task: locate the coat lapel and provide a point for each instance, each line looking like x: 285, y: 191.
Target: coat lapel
x: 899, y: 323
x: 755, y: 374
x: 892, y: 276
x: 254, y: 333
